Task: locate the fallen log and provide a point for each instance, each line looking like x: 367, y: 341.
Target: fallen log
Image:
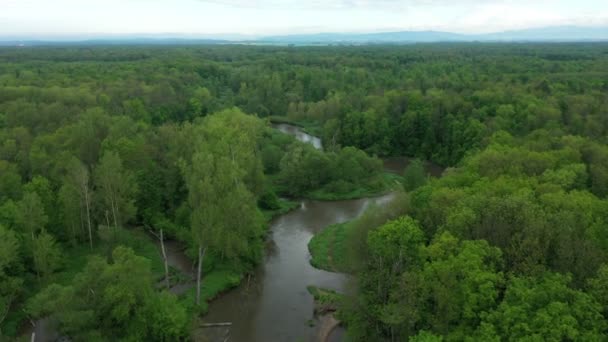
x: 211, y: 325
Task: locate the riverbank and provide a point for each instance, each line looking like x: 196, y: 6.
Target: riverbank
x: 387, y: 182
x: 329, y: 249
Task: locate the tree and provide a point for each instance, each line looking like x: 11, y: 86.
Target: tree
x: 113, y: 301
x: 75, y: 195
x: 598, y: 288
x: 222, y: 179
x: 10, y: 181
x: 414, y: 175
x: 9, y: 259
x: 116, y: 188
x: 546, y: 309
x: 46, y: 253
x: 30, y: 215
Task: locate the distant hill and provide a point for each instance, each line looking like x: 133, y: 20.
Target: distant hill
x: 385, y: 37
x: 544, y: 34
x: 558, y: 33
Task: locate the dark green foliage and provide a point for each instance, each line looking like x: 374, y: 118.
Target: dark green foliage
x: 414, y: 175
x: 318, y: 174
x: 524, y: 126
x: 113, y: 301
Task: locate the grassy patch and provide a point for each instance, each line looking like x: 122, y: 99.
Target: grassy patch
x: 326, y: 300
x: 212, y: 285
x: 285, y: 206
x: 374, y: 187
x: 329, y: 249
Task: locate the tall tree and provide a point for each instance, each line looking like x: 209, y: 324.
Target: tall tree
x: 30, y: 215
x: 221, y: 179
x: 116, y: 188
x: 47, y: 255
x: 9, y: 283
x: 75, y: 195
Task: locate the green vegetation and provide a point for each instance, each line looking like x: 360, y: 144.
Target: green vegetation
x: 346, y: 173
x: 511, y: 244
x: 329, y: 248
x: 325, y: 297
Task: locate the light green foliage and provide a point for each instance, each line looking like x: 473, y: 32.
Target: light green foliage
x: 113, y: 301
x: 524, y: 127
x: 116, y: 189
x: 223, y: 178
x: 598, y: 288
x: 403, y: 277
x: 30, y: 215
x: 46, y: 254
x: 69, y: 198
x: 546, y: 309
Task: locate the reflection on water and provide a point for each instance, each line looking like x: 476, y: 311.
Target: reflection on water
x: 299, y: 134
x: 275, y: 305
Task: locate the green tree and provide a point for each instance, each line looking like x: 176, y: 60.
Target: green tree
x: 46, y: 254
x: 9, y: 259
x: 30, y: 215
x: 75, y: 196
x: 546, y: 309
x: 113, y: 301
x: 116, y: 189
x: 414, y: 175
x: 221, y: 180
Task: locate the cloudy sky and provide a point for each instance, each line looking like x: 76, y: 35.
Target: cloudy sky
x: 259, y: 17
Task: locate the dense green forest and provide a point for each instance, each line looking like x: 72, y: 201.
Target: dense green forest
x: 103, y: 148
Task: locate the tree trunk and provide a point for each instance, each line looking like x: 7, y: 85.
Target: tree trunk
x: 113, y: 205
x: 162, y: 248
x: 86, y: 201
x: 201, y: 255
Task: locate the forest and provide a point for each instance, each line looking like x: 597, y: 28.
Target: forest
x: 107, y: 150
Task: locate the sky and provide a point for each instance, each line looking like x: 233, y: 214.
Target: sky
x: 52, y: 18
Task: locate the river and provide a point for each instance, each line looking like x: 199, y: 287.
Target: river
x: 274, y: 304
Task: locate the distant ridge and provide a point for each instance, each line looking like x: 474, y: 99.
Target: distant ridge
x: 555, y: 33
x: 543, y: 34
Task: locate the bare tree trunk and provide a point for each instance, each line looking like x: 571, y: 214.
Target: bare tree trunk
x: 162, y: 248
x: 113, y: 205
x: 201, y: 255
x: 86, y: 201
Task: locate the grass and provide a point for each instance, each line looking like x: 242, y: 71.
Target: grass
x: 212, y: 285
x: 325, y: 300
x: 385, y: 183
x: 329, y: 248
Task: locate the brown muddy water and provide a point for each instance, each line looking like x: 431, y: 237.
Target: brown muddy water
x: 274, y: 304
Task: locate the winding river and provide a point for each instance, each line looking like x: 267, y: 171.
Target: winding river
x: 274, y: 304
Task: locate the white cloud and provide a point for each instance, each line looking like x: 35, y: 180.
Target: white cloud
x: 290, y: 16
